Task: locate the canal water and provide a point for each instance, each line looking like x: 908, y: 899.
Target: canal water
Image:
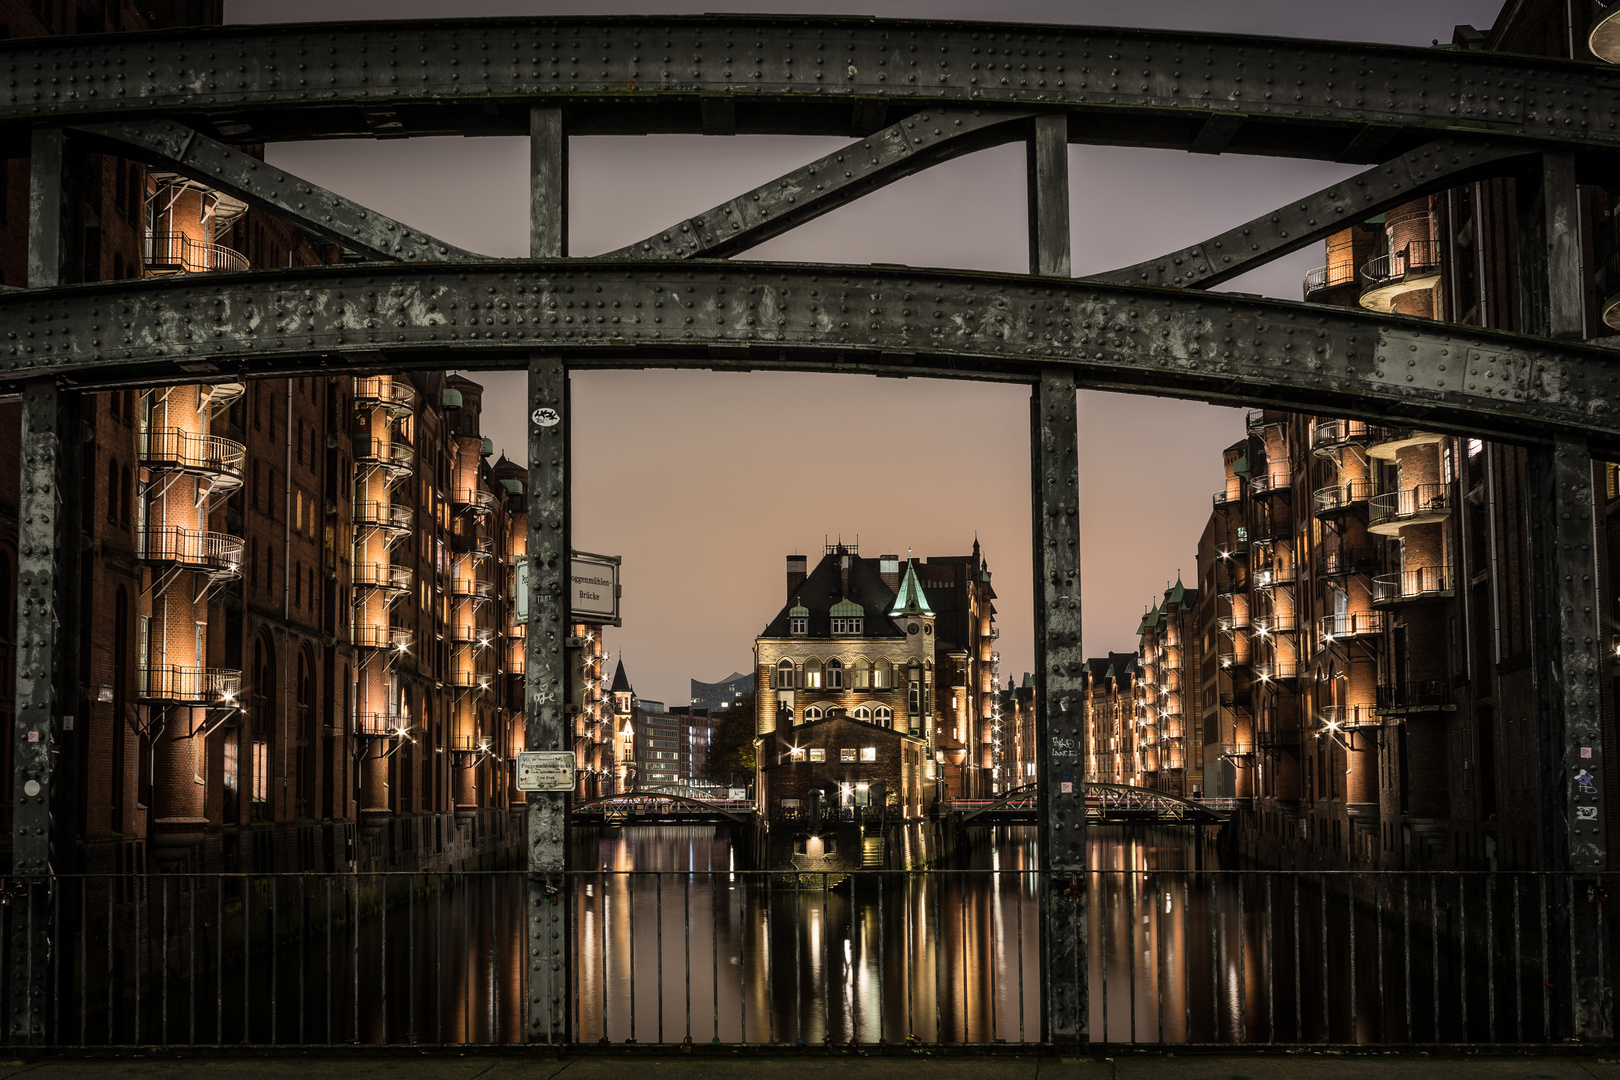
x: 672, y: 942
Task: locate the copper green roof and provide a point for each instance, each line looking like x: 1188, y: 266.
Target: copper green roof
x: 846, y: 609
x: 798, y: 610
x: 910, y: 599
x: 1177, y: 593
x: 1241, y: 466
x: 1150, y: 619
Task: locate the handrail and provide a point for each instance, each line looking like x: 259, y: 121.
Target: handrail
x: 192, y: 547
x: 1417, y: 256
x: 172, y: 249
x: 1351, y: 716
x: 1328, y: 277
x: 1343, y: 495
x: 391, y: 453
x: 1411, y: 584
x: 383, y: 515
x: 1422, y: 694
x: 1351, y: 624
x: 189, y: 450
x: 477, y: 498
x: 174, y: 682
x: 395, y: 392
x: 1415, y: 501
x: 378, y: 636
x: 466, y: 586
x: 383, y: 576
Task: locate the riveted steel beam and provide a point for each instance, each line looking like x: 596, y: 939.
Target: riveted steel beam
x: 548, y: 184
x: 168, y: 145
x: 545, y: 671
x: 899, y: 150
x: 1059, y: 686
x: 797, y: 74
x: 826, y: 318
x: 1220, y: 258
x: 1048, y: 197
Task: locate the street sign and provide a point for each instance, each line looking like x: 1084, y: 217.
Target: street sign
x: 545, y: 770
x: 593, y: 589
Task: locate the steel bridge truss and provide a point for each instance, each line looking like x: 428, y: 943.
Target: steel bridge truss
x: 910, y: 95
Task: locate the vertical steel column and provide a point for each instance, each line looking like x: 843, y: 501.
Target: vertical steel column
x: 1049, y: 196
x: 46, y: 616
x: 1566, y: 623
x: 545, y: 657
x: 1059, y: 731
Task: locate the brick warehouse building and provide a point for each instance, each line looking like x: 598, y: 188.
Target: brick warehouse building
x: 863, y: 640
x: 1364, y: 589
x: 297, y: 644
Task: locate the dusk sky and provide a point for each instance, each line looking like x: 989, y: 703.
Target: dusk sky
x: 705, y: 481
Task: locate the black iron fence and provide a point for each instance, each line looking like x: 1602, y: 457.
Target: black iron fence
x: 810, y: 956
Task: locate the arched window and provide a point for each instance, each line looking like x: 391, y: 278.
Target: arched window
x: 812, y: 713
x: 884, y: 716
x: 861, y: 674
x: 882, y: 675
x: 863, y: 713
x: 812, y: 674
x: 835, y: 675
x: 784, y: 675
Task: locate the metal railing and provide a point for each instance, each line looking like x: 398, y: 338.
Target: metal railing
x: 197, y: 548
x: 1229, y: 623
x: 1226, y: 498
x: 479, y: 499
x: 1356, y: 560
x: 1277, y: 670
x: 1276, y: 623
x: 173, y: 252
x: 1342, y: 496
x: 1416, y: 257
x: 1425, y: 694
x: 191, y: 451
x: 394, y: 393
x: 1271, y: 483
x: 377, y: 636
x: 201, y: 685
x: 473, y: 587
x: 1419, y: 500
x: 381, y: 515
x: 383, y: 576
x: 1351, y: 716
x: 391, y: 453
x: 1421, y: 583
x: 812, y: 956
x: 1327, y: 277
x: 381, y: 723
x: 1351, y: 624
x: 1269, y: 577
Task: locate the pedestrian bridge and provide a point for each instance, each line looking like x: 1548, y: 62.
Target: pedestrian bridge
x: 1106, y: 804
x: 650, y: 807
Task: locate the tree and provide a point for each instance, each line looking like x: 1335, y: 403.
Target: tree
x: 731, y: 751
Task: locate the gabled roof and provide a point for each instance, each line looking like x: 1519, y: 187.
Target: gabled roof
x: 910, y: 600
x: 824, y: 587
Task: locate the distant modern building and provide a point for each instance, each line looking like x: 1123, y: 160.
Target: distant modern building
x: 720, y: 695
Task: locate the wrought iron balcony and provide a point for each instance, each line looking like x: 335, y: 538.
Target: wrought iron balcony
x: 203, y: 455
x: 1277, y: 671
x: 1330, y: 435
x: 1350, y: 717
x: 1414, y: 266
x: 391, y: 454
x: 473, y: 587
x: 1272, y: 483
x: 1347, y: 561
x: 177, y: 253
x: 1237, y: 749
x: 1421, y: 583
x: 189, y: 685
x: 1223, y: 499
x: 386, y: 576
x: 467, y: 634
x: 378, y: 636
x: 477, y: 500
x: 1230, y: 624
x: 467, y: 678
x: 1351, y: 625
x: 194, y: 549
x: 380, y: 515
x: 1273, y: 527
x: 1334, y: 501
x: 1416, y: 505
x: 1433, y: 695
x: 381, y: 723
x: 393, y: 393
x: 1269, y: 577
x: 1328, y: 277
x: 1276, y: 624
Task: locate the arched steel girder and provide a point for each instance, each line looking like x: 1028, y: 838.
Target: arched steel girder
x: 632, y: 799
x: 731, y: 74
x: 707, y: 314
x: 1177, y: 805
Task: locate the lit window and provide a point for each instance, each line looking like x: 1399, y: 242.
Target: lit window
x: 812, y: 674
x: 884, y: 715
x: 818, y: 755
x: 882, y: 675
x: 261, y: 771
x: 784, y: 675
x: 847, y: 754
x: 868, y: 753
x: 862, y: 674
x: 863, y: 714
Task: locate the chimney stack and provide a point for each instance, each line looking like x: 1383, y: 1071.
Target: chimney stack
x: 889, y: 570
x: 796, y: 573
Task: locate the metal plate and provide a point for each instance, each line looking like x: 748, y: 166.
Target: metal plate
x: 545, y: 770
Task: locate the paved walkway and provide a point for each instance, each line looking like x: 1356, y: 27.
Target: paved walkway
x: 817, y: 1066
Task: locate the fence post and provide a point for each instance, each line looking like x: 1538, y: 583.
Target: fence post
x: 1566, y: 616
x: 1059, y: 731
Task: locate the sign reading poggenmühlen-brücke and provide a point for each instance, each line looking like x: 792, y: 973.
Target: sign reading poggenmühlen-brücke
x: 593, y: 589
x: 545, y: 770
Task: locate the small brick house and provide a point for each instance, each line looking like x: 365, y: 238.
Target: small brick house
x: 848, y: 762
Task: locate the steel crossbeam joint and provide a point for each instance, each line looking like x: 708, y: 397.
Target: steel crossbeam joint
x: 166, y: 144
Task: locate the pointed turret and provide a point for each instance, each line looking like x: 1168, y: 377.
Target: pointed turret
x: 910, y: 600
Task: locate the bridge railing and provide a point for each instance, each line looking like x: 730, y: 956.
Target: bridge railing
x: 1178, y: 957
